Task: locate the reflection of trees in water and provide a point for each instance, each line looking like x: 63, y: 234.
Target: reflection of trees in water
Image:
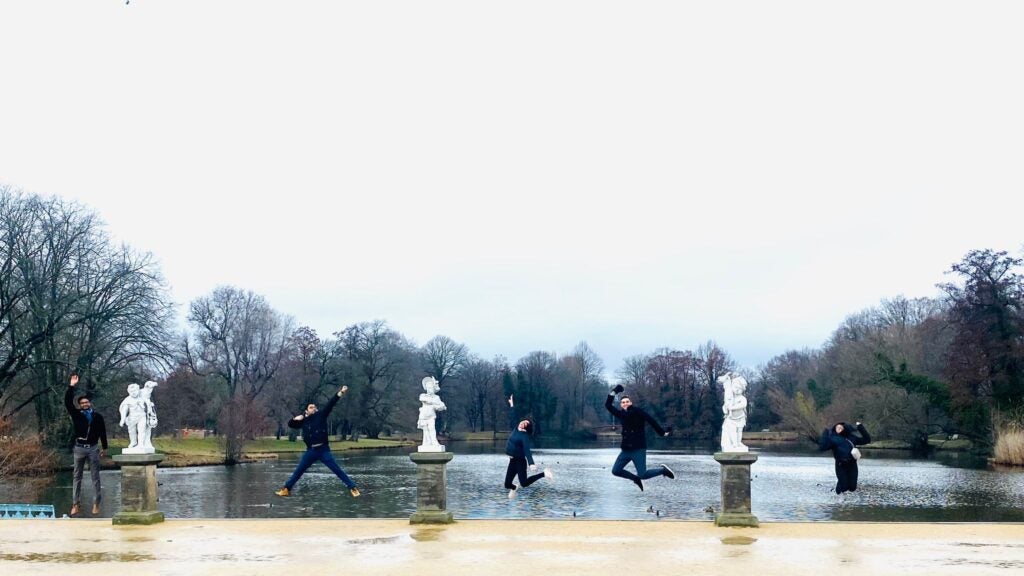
x: 24, y: 490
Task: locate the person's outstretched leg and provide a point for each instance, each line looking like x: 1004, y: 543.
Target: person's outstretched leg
x: 525, y: 481
x: 510, y: 473
x: 619, y: 468
x: 640, y: 461
x: 328, y: 459
x: 308, y: 458
x: 80, y: 456
x: 94, y: 473
x: 840, y: 478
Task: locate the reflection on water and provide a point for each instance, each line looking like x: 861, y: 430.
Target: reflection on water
x: 786, y: 485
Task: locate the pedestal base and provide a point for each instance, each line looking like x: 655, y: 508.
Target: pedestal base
x: 138, y: 489
x: 431, y: 488
x: 736, y: 489
x: 126, y: 518
x: 431, y: 517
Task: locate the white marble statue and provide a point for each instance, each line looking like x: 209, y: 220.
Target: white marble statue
x: 735, y: 410
x: 430, y: 405
x: 139, y: 415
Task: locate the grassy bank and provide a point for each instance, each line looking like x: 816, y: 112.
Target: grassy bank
x: 210, y: 451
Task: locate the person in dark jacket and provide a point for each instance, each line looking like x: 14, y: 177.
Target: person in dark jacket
x: 634, y: 440
x: 90, y: 435
x: 313, y: 423
x: 842, y: 441
x: 518, y: 450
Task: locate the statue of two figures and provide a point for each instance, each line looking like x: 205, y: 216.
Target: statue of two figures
x: 139, y: 415
x: 430, y: 405
x: 735, y: 410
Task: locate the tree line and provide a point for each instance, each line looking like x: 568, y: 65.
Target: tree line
x: 72, y: 300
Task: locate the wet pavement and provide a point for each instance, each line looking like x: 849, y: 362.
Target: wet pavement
x: 472, y: 547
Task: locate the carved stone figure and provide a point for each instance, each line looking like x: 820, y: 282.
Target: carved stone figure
x: 735, y: 410
x: 430, y: 405
x: 139, y: 415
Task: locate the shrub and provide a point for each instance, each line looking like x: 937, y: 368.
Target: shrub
x: 24, y: 456
x: 1009, y: 438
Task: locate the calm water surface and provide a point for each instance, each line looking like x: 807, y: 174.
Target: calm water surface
x: 786, y: 486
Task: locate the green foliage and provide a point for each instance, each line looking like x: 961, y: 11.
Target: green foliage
x: 936, y: 392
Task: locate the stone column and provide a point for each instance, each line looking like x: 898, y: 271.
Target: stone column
x: 138, y: 489
x: 431, y: 488
x: 736, y: 489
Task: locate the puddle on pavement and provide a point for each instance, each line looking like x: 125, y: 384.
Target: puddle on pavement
x: 383, y: 540
x: 987, y: 544
x: 738, y: 540
x: 427, y: 535
x: 77, y: 557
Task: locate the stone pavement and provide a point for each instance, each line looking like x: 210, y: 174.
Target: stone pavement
x: 367, y: 547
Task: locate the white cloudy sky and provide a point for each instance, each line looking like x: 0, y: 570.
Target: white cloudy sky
x: 526, y: 175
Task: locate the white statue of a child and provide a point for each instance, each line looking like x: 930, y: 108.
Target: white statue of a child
x: 430, y: 405
x: 735, y: 409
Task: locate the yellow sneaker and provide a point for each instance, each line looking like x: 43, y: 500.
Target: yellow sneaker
x: 354, y: 492
x: 283, y: 492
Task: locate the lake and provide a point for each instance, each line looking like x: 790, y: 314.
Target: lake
x: 787, y: 485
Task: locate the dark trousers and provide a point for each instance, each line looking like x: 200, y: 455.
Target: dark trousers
x: 639, y: 460
x: 846, y: 476
x: 517, y: 467
x: 81, y: 454
x: 310, y: 457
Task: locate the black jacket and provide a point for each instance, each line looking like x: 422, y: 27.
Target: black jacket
x: 85, y: 432
x: 633, y: 419
x: 314, y: 428
x: 842, y: 444
x: 518, y: 444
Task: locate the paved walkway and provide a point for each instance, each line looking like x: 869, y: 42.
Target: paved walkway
x: 489, y: 547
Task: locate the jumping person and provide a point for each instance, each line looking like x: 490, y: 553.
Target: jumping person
x: 518, y: 450
x: 314, y: 433
x: 841, y: 439
x: 634, y: 441
x: 90, y: 434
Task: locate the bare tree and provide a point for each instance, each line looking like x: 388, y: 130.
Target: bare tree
x: 383, y: 361
x: 586, y: 370
x: 239, y: 339
x: 69, y: 300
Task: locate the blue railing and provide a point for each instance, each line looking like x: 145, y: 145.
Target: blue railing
x: 26, y: 511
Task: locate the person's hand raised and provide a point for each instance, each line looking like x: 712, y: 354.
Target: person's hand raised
x: 74, y: 380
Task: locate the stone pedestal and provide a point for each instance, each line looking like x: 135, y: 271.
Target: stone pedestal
x: 735, y: 509
x: 431, y: 488
x: 138, y: 489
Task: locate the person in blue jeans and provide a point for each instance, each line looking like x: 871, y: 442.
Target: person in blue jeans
x: 313, y: 423
x: 634, y: 440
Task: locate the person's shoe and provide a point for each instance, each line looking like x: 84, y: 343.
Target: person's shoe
x: 639, y: 483
x: 354, y: 492
x: 283, y: 492
x: 511, y: 493
x: 95, y: 509
x: 548, y: 474
x: 74, y: 510
x: 668, y: 472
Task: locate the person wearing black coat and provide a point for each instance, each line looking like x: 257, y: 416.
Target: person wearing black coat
x: 313, y: 423
x: 518, y: 450
x: 90, y: 435
x: 634, y: 440
x: 843, y: 442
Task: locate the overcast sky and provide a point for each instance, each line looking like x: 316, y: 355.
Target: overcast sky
x: 527, y: 175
